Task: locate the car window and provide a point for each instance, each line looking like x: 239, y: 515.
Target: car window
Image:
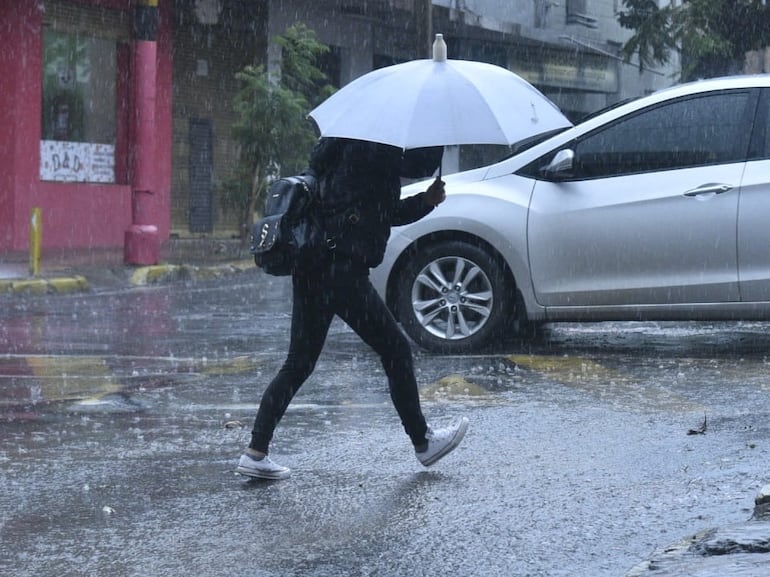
x: 696, y: 131
x: 760, y: 146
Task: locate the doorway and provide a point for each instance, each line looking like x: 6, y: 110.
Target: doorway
x: 200, y: 172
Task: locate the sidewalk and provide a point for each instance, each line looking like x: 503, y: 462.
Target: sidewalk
x: 81, y: 270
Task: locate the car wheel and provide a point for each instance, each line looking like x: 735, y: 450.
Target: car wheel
x: 452, y: 297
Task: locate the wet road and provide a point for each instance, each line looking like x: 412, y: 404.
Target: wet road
x: 123, y: 412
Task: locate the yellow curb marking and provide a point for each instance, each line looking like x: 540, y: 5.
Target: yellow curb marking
x: 36, y: 286
x: 139, y: 277
x: 608, y: 384
x: 453, y: 386
x: 242, y: 364
x: 571, y: 369
x: 71, y: 284
x: 41, y: 286
x: 155, y: 273
x: 165, y: 272
x: 70, y: 378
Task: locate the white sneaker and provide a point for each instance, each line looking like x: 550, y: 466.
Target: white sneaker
x: 442, y: 441
x: 263, y: 468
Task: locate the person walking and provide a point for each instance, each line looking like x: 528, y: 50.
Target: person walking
x: 360, y: 200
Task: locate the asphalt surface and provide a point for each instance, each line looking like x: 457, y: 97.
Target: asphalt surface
x: 731, y: 550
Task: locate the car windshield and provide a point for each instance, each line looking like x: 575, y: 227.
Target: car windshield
x: 531, y: 141
x: 606, y: 109
x: 476, y: 155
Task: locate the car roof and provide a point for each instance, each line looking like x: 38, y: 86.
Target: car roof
x: 685, y: 89
x: 720, y: 83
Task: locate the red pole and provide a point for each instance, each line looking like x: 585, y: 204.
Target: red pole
x: 141, y: 239
x: 145, y: 70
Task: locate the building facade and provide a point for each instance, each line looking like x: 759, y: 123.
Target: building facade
x: 118, y: 113
x: 74, y: 146
x: 570, y: 49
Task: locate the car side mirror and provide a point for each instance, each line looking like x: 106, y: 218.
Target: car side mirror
x: 561, y: 165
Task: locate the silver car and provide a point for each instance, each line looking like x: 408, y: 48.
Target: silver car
x: 657, y: 209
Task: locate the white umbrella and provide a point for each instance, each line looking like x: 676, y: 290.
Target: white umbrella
x: 438, y: 102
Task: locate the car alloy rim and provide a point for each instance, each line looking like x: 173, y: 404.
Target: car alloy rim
x: 452, y: 298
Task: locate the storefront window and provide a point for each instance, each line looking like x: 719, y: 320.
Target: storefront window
x: 78, y: 108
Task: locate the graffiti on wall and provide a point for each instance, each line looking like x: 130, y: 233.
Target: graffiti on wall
x: 62, y: 161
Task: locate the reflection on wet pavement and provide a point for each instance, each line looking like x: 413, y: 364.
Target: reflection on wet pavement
x: 125, y: 414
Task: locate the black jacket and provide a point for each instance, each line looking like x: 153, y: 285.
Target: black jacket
x: 361, y: 197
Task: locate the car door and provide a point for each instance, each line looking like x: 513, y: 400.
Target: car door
x: 649, y: 214
x: 754, y: 212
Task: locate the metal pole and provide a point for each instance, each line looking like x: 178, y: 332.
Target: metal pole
x: 35, y: 241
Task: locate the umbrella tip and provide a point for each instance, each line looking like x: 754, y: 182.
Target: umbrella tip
x: 439, y: 49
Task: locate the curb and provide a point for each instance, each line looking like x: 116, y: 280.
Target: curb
x: 43, y: 286
x: 157, y: 274
x: 142, y: 276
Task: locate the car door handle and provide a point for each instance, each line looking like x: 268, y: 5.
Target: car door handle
x: 710, y: 188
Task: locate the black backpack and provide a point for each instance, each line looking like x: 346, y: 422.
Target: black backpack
x: 289, y: 230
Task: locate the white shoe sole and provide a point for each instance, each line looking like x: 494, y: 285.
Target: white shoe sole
x: 272, y: 472
x: 256, y: 474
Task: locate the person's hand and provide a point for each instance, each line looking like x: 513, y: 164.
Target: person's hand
x: 435, y: 194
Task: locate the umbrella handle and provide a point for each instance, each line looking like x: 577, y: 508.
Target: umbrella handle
x: 443, y: 193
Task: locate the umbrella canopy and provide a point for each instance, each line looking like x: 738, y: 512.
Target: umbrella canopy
x: 438, y: 102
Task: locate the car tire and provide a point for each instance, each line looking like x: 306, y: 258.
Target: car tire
x: 452, y: 298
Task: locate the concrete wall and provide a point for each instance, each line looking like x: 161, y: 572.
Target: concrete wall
x: 207, y: 55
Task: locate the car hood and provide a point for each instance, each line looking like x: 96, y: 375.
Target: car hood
x: 457, y: 178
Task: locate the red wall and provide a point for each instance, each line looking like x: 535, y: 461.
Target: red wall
x: 74, y: 215
x: 13, y: 88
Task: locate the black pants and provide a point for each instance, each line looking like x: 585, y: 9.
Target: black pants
x: 318, y: 296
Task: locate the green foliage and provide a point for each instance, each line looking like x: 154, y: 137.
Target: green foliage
x: 272, y: 129
x: 299, y: 72
x: 654, y: 38
x: 712, y: 35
